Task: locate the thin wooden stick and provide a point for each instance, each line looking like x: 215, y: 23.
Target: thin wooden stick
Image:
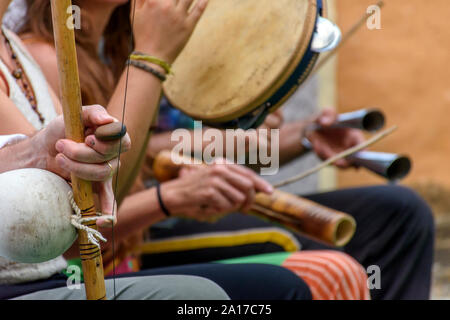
x: 337, y: 157
x: 71, y: 102
x: 345, y: 38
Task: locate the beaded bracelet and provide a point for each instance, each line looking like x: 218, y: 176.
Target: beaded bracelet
x: 148, y: 69
x: 145, y: 57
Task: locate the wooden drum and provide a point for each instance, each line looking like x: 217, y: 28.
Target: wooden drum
x: 247, y: 57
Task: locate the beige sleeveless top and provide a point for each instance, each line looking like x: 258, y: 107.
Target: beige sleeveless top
x: 38, y: 83
x: 12, y: 272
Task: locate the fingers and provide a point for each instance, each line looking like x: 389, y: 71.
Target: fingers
x: 327, y: 118
x: 95, y: 115
x: 259, y: 183
x: 107, y: 202
x: 272, y: 122
x: 236, y: 197
x: 93, y: 151
x: 185, y: 4
x: 80, y: 152
x: 89, y: 160
x: 219, y: 204
x: 238, y: 184
x: 322, y: 148
x: 355, y: 137
x: 109, y: 148
x: 187, y: 170
x: 325, y: 150
x: 90, y: 172
x: 197, y: 11
x: 242, y: 182
x: 352, y: 139
x: 343, y: 163
x: 219, y: 189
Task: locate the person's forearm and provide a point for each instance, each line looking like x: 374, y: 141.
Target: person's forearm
x: 137, y: 212
x: 290, y: 146
x: 291, y: 135
x: 142, y: 100
x: 160, y: 142
x: 24, y: 154
x: 163, y: 141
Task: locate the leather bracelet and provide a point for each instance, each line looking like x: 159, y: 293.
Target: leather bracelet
x: 161, y: 203
x: 148, y: 69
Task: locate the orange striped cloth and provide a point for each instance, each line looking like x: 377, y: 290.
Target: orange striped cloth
x: 330, y: 275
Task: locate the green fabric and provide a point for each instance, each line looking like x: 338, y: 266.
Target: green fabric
x: 276, y: 258
x: 74, y: 262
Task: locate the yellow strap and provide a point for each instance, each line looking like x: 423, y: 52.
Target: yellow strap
x: 143, y: 57
x: 223, y: 239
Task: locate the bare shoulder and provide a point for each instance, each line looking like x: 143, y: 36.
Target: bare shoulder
x: 12, y: 120
x: 44, y: 54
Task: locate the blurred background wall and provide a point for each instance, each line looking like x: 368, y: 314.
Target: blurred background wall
x: 403, y: 68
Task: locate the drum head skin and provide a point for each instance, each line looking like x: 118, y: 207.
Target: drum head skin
x: 241, y: 53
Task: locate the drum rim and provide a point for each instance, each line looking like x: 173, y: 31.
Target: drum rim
x: 324, y: 14
x: 274, y: 85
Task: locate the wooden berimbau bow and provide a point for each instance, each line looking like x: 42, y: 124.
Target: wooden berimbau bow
x: 71, y: 102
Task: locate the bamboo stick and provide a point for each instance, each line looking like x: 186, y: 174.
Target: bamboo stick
x: 71, y: 102
x: 298, y: 214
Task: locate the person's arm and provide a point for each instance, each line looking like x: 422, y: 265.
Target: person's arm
x: 143, y: 93
x: 143, y: 96
x: 329, y: 141
x: 326, y: 142
x: 291, y: 135
x: 161, y: 29
x: 137, y: 212
x: 201, y: 193
x: 12, y: 120
x: 49, y: 150
x: 19, y: 155
x: 163, y: 141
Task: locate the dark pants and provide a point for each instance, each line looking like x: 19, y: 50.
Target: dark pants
x: 245, y: 281
x: 395, y: 231
x: 240, y: 282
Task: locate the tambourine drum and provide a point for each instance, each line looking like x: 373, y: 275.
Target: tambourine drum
x: 247, y: 57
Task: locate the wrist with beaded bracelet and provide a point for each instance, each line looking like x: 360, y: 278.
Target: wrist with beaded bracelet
x: 150, y: 64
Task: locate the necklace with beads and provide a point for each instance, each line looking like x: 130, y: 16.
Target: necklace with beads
x: 22, y: 80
